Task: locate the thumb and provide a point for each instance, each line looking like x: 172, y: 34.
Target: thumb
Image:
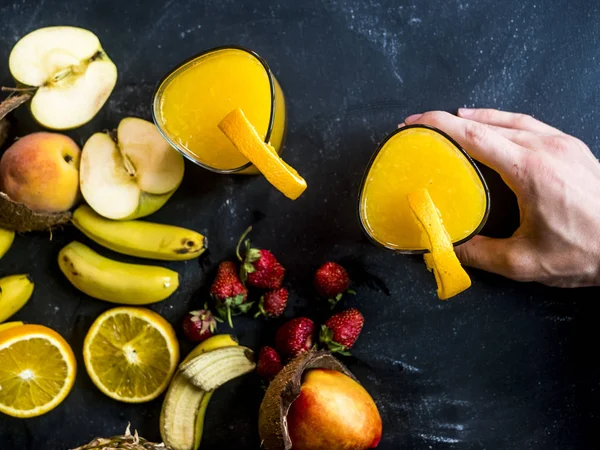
x: 510, y: 257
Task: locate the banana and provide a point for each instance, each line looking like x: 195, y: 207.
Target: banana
x: 185, y: 405
x: 213, y: 369
x: 6, y: 239
x: 140, y: 238
x: 15, y: 291
x: 8, y: 325
x: 114, y: 281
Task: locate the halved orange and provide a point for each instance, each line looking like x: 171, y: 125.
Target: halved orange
x: 280, y: 174
x: 450, y: 276
x: 37, y: 370
x: 131, y: 354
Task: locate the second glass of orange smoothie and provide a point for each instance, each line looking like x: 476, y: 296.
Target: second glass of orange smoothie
x: 192, y: 99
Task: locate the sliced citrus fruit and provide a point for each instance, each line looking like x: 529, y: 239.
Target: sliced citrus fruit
x: 130, y: 354
x: 450, y: 276
x: 37, y: 370
x: 280, y: 174
x: 7, y: 325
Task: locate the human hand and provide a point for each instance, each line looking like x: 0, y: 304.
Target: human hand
x: 556, y: 179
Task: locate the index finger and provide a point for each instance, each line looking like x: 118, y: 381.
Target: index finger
x: 480, y: 141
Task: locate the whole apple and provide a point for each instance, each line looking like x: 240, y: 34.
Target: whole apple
x: 41, y: 170
x: 333, y: 412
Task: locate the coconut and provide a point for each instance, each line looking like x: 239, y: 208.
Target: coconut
x: 17, y: 216
x: 127, y: 441
x: 283, y: 391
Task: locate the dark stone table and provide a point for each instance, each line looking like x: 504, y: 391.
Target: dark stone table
x: 503, y: 366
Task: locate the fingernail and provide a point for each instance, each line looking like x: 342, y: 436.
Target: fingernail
x: 465, y: 112
x: 413, y: 118
x: 400, y: 125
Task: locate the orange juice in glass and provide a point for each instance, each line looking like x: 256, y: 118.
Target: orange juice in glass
x: 192, y: 99
x: 412, y: 158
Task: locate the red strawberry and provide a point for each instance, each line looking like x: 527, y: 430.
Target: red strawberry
x: 295, y: 337
x: 273, y: 303
x: 199, y: 325
x: 269, y: 363
x: 341, y: 330
x: 260, y: 268
x: 229, y: 293
x: 331, y: 281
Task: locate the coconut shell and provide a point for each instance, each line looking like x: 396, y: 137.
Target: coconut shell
x: 18, y: 217
x: 283, y: 391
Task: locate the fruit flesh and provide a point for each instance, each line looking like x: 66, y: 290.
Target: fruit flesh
x: 131, y: 354
x: 193, y: 100
x: 37, y: 370
x: 333, y: 412
x: 132, y: 178
x: 413, y: 159
x: 41, y: 170
x: 74, y: 76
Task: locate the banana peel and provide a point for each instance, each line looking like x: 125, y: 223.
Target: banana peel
x: 211, y: 370
x: 449, y: 274
x: 185, y: 405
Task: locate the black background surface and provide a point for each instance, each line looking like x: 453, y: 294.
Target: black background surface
x: 503, y: 366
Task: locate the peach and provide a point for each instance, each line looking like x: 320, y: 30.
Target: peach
x: 333, y: 412
x: 41, y: 170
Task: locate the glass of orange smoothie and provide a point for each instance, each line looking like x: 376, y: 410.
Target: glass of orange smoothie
x: 194, y: 97
x: 412, y: 158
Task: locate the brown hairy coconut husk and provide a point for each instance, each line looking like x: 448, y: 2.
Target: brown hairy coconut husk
x: 127, y: 441
x: 283, y: 390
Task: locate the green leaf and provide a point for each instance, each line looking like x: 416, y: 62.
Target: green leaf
x: 252, y: 255
x: 326, y: 334
x: 244, y: 308
x: 351, y: 291
x: 249, y: 268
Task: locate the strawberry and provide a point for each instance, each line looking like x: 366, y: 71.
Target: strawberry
x: 260, y: 268
x: 269, y: 363
x: 331, y: 281
x: 199, y: 325
x: 273, y: 303
x: 341, y: 330
x: 229, y: 293
x: 295, y: 337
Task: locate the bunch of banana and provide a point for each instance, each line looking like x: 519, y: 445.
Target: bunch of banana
x: 118, y: 282
x: 15, y: 291
x: 210, y: 365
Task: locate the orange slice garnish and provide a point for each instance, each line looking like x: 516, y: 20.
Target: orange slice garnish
x: 280, y: 174
x: 450, y: 276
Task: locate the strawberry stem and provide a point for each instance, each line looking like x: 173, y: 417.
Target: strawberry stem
x: 239, y: 244
x: 229, y: 321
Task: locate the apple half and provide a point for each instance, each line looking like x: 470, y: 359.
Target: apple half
x: 131, y: 177
x: 70, y: 75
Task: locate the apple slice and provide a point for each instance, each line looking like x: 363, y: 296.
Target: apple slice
x: 132, y: 177
x: 71, y: 72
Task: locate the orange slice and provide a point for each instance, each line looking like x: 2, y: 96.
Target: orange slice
x: 131, y: 354
x: 280, y: 174
x: 450, y: 276
x: 37, y: 370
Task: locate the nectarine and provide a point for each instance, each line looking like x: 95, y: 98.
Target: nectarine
x: 41, y: 170
x: 333, y: 412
